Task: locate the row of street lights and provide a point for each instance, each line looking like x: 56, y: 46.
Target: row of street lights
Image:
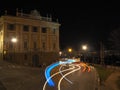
x: 70, y: 50
x: 84, y: 47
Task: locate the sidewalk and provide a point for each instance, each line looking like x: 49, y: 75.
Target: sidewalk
x: 110, y: 83
x: 16, y: 77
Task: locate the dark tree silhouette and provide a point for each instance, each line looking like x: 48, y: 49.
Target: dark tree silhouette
x: 114, y: 39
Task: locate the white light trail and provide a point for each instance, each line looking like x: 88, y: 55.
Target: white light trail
x: 63, y: 75
x: 54, y: 75
x: 66, y: 75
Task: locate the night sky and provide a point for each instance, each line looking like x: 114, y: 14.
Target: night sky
x: 81, y: 22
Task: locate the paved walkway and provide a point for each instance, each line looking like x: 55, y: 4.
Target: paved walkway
x: 16, y: 77
x: 110, y: 83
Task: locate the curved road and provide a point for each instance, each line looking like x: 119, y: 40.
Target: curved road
x: 78, y: 78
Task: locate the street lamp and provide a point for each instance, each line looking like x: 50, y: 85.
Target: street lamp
x: 60, y: 53
x: 14, y: 40
x: 70, y: 50
x: 84, y: 48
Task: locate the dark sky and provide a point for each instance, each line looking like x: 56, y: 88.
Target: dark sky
x: 81, y: 22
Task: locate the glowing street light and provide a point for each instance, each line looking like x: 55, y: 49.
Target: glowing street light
x: 84, y: 47
x: 60, y: 53
x: 14, y: 40
x: 69, y: 50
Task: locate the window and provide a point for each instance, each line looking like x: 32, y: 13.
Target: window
x: 34, y: 29
x: 25, y: 45
x: 26, y: 28
x: 11, y: 45
x: 10, y: 26
x: 25, y: 56
x: 35, y: 45
x: 54, y: 46
x: 44, y: 30
x: 43, y: 45
x: 54, y: 31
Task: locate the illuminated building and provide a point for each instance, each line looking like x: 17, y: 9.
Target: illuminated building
x: 37, y: 38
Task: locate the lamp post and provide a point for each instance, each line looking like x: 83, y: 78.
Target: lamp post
x: 14, y: 40
x: 60, y: 54
x: 84, y: 48
x: 70, y: 51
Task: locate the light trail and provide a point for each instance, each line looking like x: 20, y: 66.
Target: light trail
x: 85, y: 67
x: 54, y: 75
x: 47, y: 73
x: 66, y: 75
x: 63, y: 75
x: 49, y: 68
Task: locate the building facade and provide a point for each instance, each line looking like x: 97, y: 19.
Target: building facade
x: 29, y: 39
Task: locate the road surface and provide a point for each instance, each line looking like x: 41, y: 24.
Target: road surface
x: 81, y: 79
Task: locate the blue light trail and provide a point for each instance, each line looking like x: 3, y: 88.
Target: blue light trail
x: 49, y: 68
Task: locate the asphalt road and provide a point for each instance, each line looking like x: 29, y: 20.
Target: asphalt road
x: 81, y: 81
x: 78, y: 80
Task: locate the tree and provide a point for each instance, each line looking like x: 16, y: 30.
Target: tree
x: 114, y: 39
